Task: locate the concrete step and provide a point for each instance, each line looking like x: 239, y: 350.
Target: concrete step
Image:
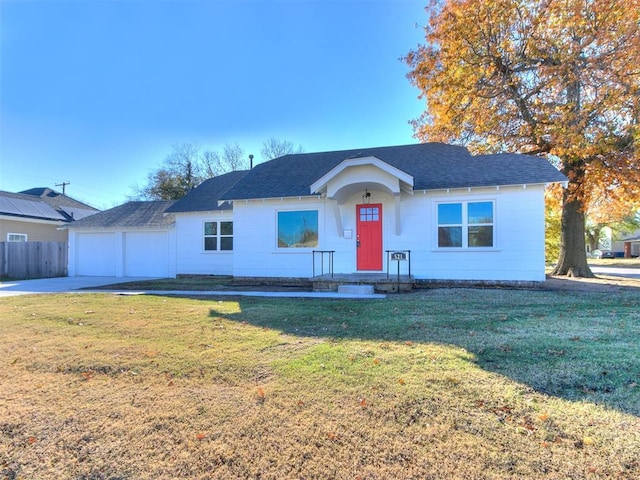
x: 356, y: 289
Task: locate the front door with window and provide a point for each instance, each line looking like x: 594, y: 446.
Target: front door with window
x: 369, y: 236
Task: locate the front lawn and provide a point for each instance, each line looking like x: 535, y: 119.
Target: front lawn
x: 444, y: 383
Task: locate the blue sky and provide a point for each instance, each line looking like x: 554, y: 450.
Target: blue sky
x: 97, y: 92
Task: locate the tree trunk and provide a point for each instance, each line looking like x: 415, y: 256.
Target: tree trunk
x: 573, y: 256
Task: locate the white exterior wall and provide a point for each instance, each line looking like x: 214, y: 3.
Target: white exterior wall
x: 191, y: 257
x: 256, y: 253
x: 517, y: 254
x: 518, y: 237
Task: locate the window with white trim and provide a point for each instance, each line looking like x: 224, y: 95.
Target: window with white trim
x: 465, y: 224
x: 218, y: 236
x: 16, y: 237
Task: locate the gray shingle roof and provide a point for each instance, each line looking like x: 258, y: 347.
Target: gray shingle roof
x: 630, y: 239
x: 204, y: 197
x: 432, y: 165
x: 130, y: 214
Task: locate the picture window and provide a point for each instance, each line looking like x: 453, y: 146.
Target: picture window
x: 298, y: 229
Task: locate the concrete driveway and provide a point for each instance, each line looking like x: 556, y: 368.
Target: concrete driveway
x: 59, y: 284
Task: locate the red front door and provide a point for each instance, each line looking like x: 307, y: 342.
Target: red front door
x: 369, y: 236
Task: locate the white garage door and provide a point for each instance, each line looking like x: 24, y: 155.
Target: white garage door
x: 146, y: 254
x: 96, y: 254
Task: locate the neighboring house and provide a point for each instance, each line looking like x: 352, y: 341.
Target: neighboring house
x: 627, y: 245
x: 36, y: 215
x: 462, y: 217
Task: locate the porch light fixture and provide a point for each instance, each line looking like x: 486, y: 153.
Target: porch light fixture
x: 366, y: 197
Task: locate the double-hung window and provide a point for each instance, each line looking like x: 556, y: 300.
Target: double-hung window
x: 218, y: 236
x: 466, y: 224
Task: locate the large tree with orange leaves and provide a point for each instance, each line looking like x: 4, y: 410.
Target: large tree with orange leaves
x: 559, y: 78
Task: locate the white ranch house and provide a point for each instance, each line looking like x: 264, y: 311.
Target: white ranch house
x: 455, y: 215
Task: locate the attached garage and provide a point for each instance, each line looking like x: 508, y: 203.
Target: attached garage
x: 136, y: 239
x: 95, y: 254
x: 145, y: 254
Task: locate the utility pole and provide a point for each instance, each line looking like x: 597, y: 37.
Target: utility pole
x: 63, y: 185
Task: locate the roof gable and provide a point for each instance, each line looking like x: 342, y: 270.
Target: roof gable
x: 322, y: 183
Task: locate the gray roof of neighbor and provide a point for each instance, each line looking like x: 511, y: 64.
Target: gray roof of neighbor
x: 70, y: 207
x: 433, y: 166
x: 43, y: 204
x: 630, y: 239
x: 205, y: 196
x: 131, y: 214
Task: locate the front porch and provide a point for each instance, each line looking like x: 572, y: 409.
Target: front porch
x: 381, y: 282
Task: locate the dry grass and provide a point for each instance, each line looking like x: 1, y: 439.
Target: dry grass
x: 442, y: 384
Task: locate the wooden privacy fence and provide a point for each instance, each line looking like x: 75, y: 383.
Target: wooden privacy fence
x: 33, y: 259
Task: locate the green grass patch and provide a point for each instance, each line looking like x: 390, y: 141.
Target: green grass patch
x: 446, y: 383
x: 197, y: 283
x: 615, y: 262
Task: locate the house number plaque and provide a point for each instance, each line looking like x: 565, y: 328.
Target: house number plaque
x: 398, y: 256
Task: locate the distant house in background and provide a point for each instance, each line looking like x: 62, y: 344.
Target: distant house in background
x: 35, y: 215
x: 456, y: 216
x: 627, y: 246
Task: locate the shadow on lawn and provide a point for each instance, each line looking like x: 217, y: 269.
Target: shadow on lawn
x: 576, y: 346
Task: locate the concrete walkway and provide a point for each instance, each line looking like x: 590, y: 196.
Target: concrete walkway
x: 75, y: 284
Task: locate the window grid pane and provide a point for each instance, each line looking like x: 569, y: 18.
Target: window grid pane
x: 210, y: 228
x: 450, y: 214
x: 480, y: 213
x: 370, y: 214
x: 226, y: 243
x: 226, y: 228
x: 480, y: 236
x: 449, y: 236
x: 210, y: 243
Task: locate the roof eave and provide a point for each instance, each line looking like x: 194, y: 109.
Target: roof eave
x: 275, y: 198
x: 491, y: 186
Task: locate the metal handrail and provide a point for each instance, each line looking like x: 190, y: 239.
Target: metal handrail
x: 322, y: 252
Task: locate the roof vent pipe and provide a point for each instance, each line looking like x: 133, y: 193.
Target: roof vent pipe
x: 250, y: 162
